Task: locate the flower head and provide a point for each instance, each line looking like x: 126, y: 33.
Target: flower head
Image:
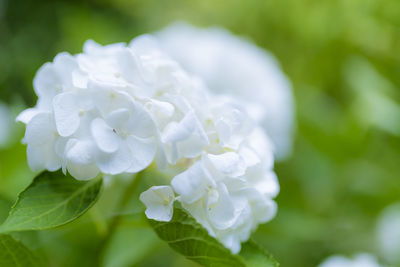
x: 115, y: 109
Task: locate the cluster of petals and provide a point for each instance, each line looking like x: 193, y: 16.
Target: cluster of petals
x: 229, y: 193
x: 111, y: 109
x: 118, y: 108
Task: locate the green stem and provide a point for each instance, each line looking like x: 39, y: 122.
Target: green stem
x: 130, y: 190
x: 99, y: 221
x: 132, y: 187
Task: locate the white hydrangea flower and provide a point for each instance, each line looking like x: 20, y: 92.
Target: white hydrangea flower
x: 115, y: 109
x: 159, y: 201
x: 233, y: 65
x: 125, y: 137
x: 50, y: 80
x: 360, y: 260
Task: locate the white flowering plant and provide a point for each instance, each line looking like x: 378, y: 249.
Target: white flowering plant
x: 130, y: 110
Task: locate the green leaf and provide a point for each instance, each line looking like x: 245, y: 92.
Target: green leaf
x: 14, y: 253
x: 53, y: 199
x: 255, y: 256
x: 190, y: 239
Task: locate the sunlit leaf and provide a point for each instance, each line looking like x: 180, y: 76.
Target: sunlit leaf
x: 190, y: 239
x: 255, y: 256
x: 15, y: 254
x: 53, y: 199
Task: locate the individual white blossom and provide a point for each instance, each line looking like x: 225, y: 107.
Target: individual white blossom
x: 236, y: 66
x: 159, y: 201
x: 360, y: 260
x: 125, y: 138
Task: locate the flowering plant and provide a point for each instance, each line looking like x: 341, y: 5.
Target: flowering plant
x: 127, y: 109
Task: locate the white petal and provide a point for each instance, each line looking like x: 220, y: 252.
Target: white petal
x: 52, y: 78
x: 83, y: 172
x: 144, y: 44
x: 268, y: 184
x: 118, y: 118
x: 36, y: 158
x: 232, y: 242
x: 250, y: 157
x: 140, y: 123
x: 266, y: 211
x: 175, y: 132
x: 66, y: 113
x: 184, y: 139
x: 222, y: 213
x: 229, y: 163
x: 190, y: 124
x: 64, y: 65
x: 91, y: 46
x: 193, y: 183
x: 79, y: 78
x: 26, y: 115
x: 81, y: 152
x: 199, y: 212
x: 191, y: 147
x: 115, y: 163
x: 46, y: 81
x: 40, y: 130
x: 107, y: 99
x: 143, y: 152
x: 130, y: 67
x: 260, y: 144
x: 105, y: 137
x: 43, y: 157
x: 53, y: 161
x: 160, y: 108
x: 60, y: 146
x: 159, y: 203
x: 263, y: 208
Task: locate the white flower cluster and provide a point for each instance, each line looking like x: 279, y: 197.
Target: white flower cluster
x: 233, y: 65
x: 115, y: 109
x: 360, y: 260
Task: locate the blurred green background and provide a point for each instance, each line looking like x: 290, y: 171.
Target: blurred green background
x: 343, y: 59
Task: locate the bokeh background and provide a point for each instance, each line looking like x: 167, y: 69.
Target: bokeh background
x: 343, y: 59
